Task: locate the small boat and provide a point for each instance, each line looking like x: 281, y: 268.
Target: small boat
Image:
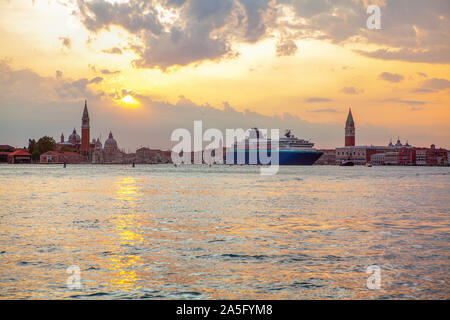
x: 347, y: 164
x: 368, y: 165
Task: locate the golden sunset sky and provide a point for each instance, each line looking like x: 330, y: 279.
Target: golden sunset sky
x: 148, y: 67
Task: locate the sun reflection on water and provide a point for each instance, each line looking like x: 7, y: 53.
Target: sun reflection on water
x: 126, y: 227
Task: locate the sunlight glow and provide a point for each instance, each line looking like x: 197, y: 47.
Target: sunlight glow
x: 129, y: 100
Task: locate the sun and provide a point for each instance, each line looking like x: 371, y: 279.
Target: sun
x: 129, y: 100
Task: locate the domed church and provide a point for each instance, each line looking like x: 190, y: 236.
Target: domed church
x: 110, y: 152
x: 79, y: 144
x: 92, y: 151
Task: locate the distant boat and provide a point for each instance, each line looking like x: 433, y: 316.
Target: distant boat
x: 368, y: 165
x: 347, y: 164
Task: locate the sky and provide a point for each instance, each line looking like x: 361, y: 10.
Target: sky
x: 147, y: 68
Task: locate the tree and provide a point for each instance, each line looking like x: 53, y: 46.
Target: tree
x: 32, y: 145
x: 35, y: 155
x: 46, y: 144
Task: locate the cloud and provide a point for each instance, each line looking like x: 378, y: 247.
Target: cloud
x: 256, y: 12
x: 433, y: 85
x: 107, y: 71
x: 202, y: 30
x: 422, y: 90
x: 286, y: 48
x: 408, y: 102
x: 412, y: 55
x: 113, y: 50
x: 66, y: 42
x: 96, y: 80
x: 391, y: 77
x: 329, y: 110
x: 317, y: 99
x: 436, y: 84
x: 181, y: 47
x: 134, y: 16
x: 352, y: 90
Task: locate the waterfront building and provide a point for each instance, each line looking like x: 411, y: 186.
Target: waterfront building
x: 391, y: 158
x: 392, y: 154
x: 147, y: 155
x: 421, y: 156
x: 5, y: 150
x: 377, y: 159
x: 432, y: 156
x: 355, y: 154
x: 61, y: 157
x: 328, y: 157
x: 406, y: 156
x: 19, y: 156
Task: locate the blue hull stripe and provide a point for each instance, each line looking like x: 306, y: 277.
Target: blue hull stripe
x: 286, y: 157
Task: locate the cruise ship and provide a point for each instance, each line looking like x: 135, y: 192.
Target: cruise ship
x: 292, y: 150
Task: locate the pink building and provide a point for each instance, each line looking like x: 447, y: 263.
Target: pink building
x: 61, y: 157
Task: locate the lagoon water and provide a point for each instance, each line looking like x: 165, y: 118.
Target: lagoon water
x: 199, y: 232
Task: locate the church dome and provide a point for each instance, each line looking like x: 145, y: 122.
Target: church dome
x: 74, y: 138
x: 110, y: 144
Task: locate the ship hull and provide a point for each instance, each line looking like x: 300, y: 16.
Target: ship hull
x: 286, y: 158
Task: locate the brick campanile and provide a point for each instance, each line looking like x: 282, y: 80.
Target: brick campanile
x: 85, y: 132
x: 349, y: 130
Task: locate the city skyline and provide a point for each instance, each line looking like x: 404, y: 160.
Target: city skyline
x: 290, y: 64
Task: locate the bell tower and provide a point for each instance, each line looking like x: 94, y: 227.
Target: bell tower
x: 85, y: 132
x: 350, y: 130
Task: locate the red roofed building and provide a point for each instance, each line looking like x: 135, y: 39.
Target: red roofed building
x: 19, y: 156
x: 5, y: 150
